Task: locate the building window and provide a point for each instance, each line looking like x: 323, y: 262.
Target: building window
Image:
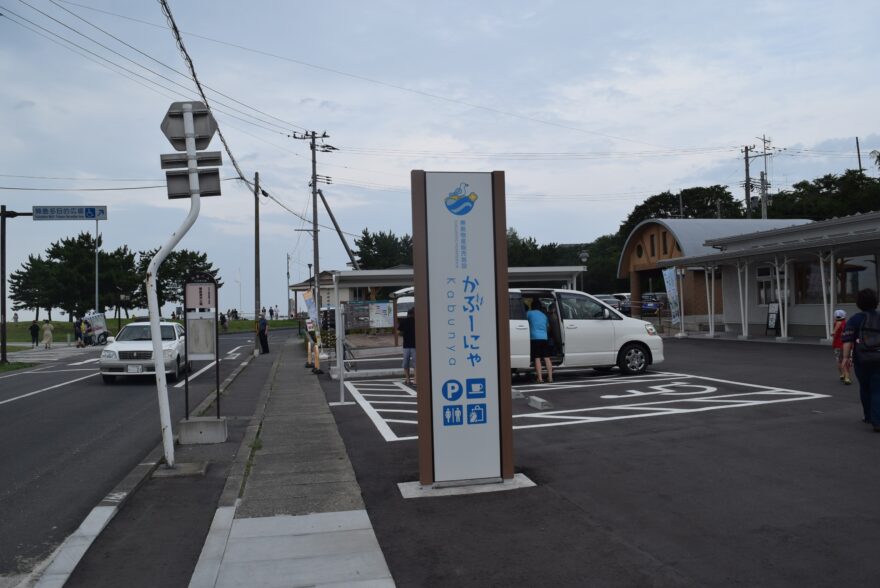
x: 807, y: 283
x: 639, y: 251
x: 855, y: 273
x: 653, y: 246
x: 765, y: 283
x: 665, y: 244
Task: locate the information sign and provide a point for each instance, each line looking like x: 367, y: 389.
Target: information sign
x: 89, y: 213
x: 463, y: 326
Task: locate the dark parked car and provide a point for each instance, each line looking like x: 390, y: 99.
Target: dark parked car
x: 653, y: 303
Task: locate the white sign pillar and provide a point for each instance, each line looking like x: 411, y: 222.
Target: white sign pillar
x: 462, y: 335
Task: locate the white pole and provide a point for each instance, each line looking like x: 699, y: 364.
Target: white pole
x: 832, y: 270
x: 824, y: 295
x: 712, y: 319
x: 96, y: 263
x: 708, y: 299
x: 746, y: 295
x: 152, y: 297
x: 785, y: 294
x: 742, y: 312
x: 779, y: 293
x: 680, y: 273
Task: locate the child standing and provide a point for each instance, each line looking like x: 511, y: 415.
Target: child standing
x: 837, y: 346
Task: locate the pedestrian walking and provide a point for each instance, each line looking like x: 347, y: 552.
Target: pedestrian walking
x: 271, y: 313
x: 223, y: 324
x: 35, y: 333
x: 539, y: 332
x: 264, y: 333
x: 15, y: 317
x: 407, y: 327
x: 47, y: 334
x: 861, y: 349
x: 837, y: 346
x: 277, y: 313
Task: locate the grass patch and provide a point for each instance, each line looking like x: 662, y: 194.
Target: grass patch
x: 257, y: 444
x: 11, y: 366
x: 248, y: 326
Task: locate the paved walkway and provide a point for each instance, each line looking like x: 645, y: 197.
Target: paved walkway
x: 292, y: 513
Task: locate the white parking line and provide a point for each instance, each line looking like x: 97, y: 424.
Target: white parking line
x: 93, y: 360
x: 47, y: 389
x: 380, y: 423
x: 195, y: 375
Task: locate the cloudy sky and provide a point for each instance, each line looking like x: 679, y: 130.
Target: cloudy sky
x: 588, y: 107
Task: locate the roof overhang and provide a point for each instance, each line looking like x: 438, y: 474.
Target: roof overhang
x: 400, y: 278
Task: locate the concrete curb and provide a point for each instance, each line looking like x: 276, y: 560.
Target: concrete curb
x: 208, y: 566
x: 54, y: 571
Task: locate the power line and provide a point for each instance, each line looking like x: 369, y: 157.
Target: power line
x: 384, y: 84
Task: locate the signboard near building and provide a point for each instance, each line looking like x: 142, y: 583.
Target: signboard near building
x: 462, y: 336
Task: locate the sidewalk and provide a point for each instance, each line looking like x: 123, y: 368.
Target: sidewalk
x: 291, y: 513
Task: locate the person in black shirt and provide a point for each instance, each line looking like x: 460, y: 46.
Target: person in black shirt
x: 35, y: 333
x: 407, y: 327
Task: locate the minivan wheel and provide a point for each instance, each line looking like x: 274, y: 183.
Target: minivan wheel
x: 633, y: 359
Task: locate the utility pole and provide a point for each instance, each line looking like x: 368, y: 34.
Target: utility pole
x: 680, y: 206
x: 312, y: 137
x: 748, y: 183
x: 764, y: 185
x: 256, y: 262
x: 859, y: 154
x: 287, y: 295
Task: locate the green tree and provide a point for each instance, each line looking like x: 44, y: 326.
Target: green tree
x: 382, y: 250
x: 34, y: 285
x: 173, y: 273
x: 74, y: 273
x: 827, y: 197
x: 700, y: 202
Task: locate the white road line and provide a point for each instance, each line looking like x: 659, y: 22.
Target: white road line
x: 385, y: 396
x: 397, y: 410
x: 408, y: 402
x: 405, y: 423
x: 380, y: 423
x: 409, y: 390
x: 234, y: 349
x: 195, y: 375
x: 47, y: 389
x: 23, y: 372
x: 93, y: 360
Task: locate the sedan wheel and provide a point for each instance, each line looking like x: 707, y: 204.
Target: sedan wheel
x: 633, y: 359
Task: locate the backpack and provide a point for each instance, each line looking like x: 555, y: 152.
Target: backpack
x: 867, y: 347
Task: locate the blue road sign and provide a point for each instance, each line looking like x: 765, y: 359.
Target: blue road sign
x: 476, y: 414
x: 70, y: 213
x: 451, y: 390
x: 453, y: 414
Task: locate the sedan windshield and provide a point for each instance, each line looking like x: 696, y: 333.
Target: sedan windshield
x: 142, y: 333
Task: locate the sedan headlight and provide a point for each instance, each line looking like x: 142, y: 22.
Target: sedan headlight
x: 108, y: 354
x: 650, y: 328
x: 169, y: 354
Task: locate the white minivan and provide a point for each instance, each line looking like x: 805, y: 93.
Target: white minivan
x: 585, y: 332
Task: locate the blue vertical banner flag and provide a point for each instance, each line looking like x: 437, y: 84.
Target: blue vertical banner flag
x: 463, y: 325
x: 672, y: 294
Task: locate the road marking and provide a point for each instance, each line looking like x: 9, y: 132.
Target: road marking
x: 682, y: 393
x: 86, y: 361
x: 196, y: 375
x: 234, y: 349
x: 23, y: 372
x: 47, y: 389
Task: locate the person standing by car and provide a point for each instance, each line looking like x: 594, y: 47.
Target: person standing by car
x: 264, y: 333
x: 539, y: 327
x: 861, y: 338
x: 407, y: 328
x: 77, y: 332
x: 35, y: 333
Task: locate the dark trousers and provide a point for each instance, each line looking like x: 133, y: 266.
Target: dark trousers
x: 264, y: 341
x: 35, y: 339
x: 869, y: 391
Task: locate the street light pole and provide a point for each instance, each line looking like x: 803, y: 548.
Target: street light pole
x: 4, y: 214
x: 584, y: 255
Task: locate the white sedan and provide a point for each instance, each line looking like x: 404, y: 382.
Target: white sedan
x: 130, y: 353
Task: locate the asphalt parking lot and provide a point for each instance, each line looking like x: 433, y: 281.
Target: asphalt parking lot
x: 732, y: 463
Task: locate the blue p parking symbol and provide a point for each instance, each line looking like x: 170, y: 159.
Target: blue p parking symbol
x: 452, y: 390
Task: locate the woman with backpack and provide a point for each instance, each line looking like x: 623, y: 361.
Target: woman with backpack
x: 862, y: 337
